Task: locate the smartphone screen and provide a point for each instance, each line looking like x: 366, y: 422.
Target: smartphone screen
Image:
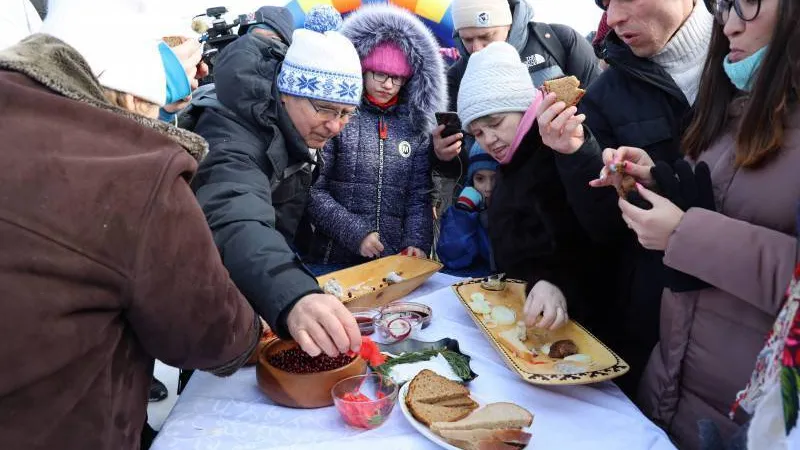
x: 451, y: 122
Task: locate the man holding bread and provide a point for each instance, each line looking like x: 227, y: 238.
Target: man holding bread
x: 656, y: 49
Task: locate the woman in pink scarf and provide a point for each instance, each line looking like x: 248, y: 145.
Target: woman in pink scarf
x: 533, y: 232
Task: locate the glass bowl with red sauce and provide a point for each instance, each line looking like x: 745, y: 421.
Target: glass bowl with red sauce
x: 365, y: 317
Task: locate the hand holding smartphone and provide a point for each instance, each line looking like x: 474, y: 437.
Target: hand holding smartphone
x: 451, y: 122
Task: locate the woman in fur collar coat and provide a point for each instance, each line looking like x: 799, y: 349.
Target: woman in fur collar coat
x: 373, y: 196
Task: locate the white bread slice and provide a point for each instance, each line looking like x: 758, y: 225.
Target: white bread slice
x: 510, y: 340
x: 485, y: 444
x: 492, y: 416
x: 510, y: 435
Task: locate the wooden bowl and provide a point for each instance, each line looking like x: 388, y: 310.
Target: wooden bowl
x: 300, y: 390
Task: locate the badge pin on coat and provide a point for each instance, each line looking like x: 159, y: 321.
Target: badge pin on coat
x: 405, y: 149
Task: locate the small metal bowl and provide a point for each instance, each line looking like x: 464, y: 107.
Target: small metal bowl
x: 494, y: 282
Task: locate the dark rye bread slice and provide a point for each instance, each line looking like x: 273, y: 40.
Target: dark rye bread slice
x: 430, y: 387
x: 429, y: 413
x: 458, y: 401
x: 567, y: 90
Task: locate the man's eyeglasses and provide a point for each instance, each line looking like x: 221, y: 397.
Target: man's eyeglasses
x: 328, y: 114
x: 747, y: 10
x: 382, y: 77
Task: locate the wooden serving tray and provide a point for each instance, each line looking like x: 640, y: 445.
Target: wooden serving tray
x: 605, y: 365
x: 366, y: 280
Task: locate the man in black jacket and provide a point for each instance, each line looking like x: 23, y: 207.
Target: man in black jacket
x: 549, y: 51
x: 656, y: 52
x: 274, y: 109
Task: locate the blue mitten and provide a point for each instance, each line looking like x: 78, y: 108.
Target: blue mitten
x: 469, y: 199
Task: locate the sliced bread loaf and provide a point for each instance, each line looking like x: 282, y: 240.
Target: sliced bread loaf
x: 492, y: 416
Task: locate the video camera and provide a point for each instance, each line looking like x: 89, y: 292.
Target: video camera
x: 219, y: 34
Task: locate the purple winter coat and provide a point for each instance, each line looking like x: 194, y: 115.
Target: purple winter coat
x: 369, y: 184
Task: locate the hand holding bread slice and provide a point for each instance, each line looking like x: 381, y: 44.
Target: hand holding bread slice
x: 567, y: 90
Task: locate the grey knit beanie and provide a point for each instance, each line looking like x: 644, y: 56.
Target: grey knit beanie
x: 496, y: 81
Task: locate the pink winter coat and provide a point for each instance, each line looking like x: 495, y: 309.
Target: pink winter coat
x: 746, y: 251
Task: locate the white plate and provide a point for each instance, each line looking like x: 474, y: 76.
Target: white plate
x: 424, y: 430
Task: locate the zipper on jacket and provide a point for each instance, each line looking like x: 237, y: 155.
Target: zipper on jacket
x: 383, y: 134
x: 327, y: 251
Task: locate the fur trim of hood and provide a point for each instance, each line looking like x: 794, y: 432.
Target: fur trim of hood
x: 63, y: 70
x: 426, y: 91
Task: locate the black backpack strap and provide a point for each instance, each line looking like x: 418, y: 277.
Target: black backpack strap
x: 545, y: 34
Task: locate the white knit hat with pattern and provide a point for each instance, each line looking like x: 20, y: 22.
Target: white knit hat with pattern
x: 321, y: 63
x: 480, y: 13
x: 496, y: 81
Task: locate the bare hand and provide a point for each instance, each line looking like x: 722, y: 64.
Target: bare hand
x: 190, y: 54
x: 446, y: 148
x: 559, y: 127
x: 320, y: 323
x: 413, y: 251
x: 653, y: 226
x: 546, y: 300
x: 371, y: 246
x: 624, y: 161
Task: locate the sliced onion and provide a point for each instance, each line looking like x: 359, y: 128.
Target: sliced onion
x: 480, y: 307
x: 504, y: 315
x: 399, y: 328
x: 478, y: 297
x: 546, y: 349
x: 491, y: 324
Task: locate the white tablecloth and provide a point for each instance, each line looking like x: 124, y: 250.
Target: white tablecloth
x: 232, y: 413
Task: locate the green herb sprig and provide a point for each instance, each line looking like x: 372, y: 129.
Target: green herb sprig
x: 458, y: 362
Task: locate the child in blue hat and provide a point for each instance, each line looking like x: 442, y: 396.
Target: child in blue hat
x: 463, y: 240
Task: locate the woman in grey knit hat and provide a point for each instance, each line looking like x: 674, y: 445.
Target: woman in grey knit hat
x: 534, y: 234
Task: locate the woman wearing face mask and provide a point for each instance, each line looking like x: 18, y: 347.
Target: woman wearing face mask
x: 373, y: 197
x: 727, y: 228
x: 534, y: 234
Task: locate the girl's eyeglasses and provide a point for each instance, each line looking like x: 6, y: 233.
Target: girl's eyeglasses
x: 382, y: 77
x: 747, y: 10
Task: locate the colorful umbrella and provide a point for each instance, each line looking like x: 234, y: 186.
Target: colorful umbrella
x: 434, y: 13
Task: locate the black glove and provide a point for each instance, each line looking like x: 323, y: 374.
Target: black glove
x: 686, y: 189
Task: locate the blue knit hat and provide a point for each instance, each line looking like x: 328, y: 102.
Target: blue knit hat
x: 479, y: 160
x: 321, y: 63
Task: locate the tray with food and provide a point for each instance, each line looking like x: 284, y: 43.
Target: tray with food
x: 569, y: 355
x: 378, y: 282
x: 449, y: 415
